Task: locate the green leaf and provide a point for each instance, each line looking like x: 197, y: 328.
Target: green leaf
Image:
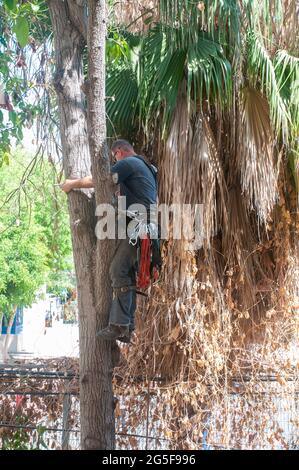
x: 3, y: 41
x: 13, y: 117
x: 22, y: 31
x: 5, y: 158
x: 11, y: 4
x: 34, y: 7
x: 19, y: 133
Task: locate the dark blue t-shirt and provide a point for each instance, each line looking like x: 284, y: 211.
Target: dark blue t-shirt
x: 137, y: 182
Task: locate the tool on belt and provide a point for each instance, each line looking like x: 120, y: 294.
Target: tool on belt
x: 145, y: 236
x: 149, y: 262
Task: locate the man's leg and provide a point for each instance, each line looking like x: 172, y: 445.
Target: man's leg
x: 124, y: 294
x: 127, y: 337
x: 123, y: 283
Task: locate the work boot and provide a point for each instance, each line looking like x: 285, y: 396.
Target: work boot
x: 126, y: 338
x: 113, y: 332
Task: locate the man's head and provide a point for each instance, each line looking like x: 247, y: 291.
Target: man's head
x: 121, y: 149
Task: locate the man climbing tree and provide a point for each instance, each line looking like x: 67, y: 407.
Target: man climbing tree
x: 138, y: 185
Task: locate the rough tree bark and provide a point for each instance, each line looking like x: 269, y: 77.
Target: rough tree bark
x: 96, y: 37
x: 96, y: 396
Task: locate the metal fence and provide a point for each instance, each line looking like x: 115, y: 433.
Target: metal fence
x: 274, y: 425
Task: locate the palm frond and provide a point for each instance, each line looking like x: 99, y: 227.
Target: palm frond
x: 265, y: 17
x: 122, y: 55
x: 221, y: 18
x: 161, y: 73
x: 256, y: 154
x: 223, y: 21
x: 276, y: 21
x: 287, y: 72
x: 293, y: 160
x: 202, y: 64
x: 191, y: 155
x: 209, y: 73
x: 122, y: 93
x: 262, y: 75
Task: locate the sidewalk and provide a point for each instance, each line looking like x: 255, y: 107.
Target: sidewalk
x: 59, y: 340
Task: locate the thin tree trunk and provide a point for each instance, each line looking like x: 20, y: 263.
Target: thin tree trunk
x: 1, y: 321
x: 96, y: 397
x: 1, y: 336
x: 96, y: 37
x: 8, y: 335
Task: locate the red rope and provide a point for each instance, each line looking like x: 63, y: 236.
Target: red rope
x: 144, y: 275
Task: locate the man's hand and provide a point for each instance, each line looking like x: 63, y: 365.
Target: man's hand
x: 68, y: 185
x: 77, y: 183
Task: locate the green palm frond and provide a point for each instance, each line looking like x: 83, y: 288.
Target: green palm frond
x: 209, y: 73
x: 202, y: 64
x: 288, y: 63
x: 223, y: 21
x: 293, y: 161
x: 121, y: 93
x: 262, y: 75
x: 122, y: 55
x: 221, y: 18
x: 164, y: 86
x: 177, y: 15
x: 264, y: 16
x: 287, y: 72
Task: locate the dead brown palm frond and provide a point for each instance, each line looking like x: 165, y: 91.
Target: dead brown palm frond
x: 256, y: 154
x: 176, y: 154
x: 178, y: 311
x: 287, y: 34
x: 136, y: 15
x: 275, y: 21
x: 217, y: 169
x: 238, y: 244
x: 191, y: 170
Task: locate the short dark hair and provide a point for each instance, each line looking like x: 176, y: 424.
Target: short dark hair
x: 122, y: 144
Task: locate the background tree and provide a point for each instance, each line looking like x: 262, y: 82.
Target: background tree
x: 35, y: 239
x: 25, y: 29
x: 23, y: 257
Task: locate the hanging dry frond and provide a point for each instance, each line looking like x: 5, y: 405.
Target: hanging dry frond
x: 256, y: 154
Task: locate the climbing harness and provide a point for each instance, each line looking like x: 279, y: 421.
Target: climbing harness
x: 138, y: 228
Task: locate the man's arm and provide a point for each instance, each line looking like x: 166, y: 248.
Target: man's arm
x: 79, y: 183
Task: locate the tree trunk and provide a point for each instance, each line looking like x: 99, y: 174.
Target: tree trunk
x: 96, y: 37
x: 8, y: 335
x: 2, y: 339
x: 96, y: 397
